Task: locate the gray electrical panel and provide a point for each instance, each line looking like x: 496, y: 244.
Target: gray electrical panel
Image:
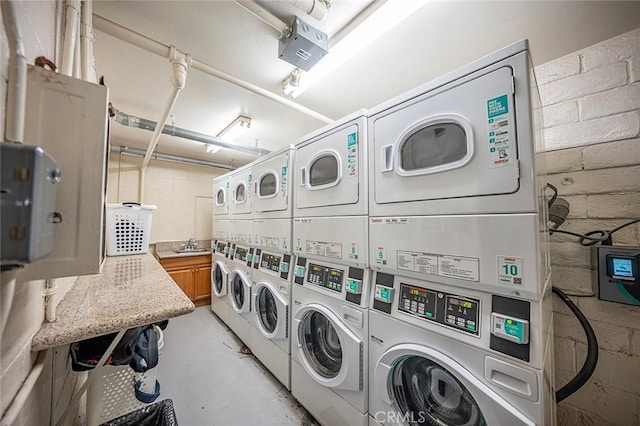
x: 303, y: 46
x: 28, y: 200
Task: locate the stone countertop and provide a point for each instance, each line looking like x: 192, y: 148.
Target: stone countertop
x: 129, y: 292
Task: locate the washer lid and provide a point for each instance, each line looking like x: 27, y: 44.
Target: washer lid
x: 427, y: 387
x: 271, y: 311
x: 329, y: 352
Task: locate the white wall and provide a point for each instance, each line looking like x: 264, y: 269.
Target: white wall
x: 591, y: 108
x: 183, y: 194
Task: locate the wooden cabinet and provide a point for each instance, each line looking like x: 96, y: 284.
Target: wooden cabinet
x: 193, y: 275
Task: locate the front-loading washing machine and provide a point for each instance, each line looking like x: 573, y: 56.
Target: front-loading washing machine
x: 469, y: 142
x: 441, y: 355
x: 220, y: 279
x: 271, y: 307
x: 239, y: 291
x: 329, y: 330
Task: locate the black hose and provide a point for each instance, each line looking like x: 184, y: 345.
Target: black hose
x: 592, y: 351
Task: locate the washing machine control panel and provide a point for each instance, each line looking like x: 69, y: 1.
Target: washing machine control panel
x: 324, y: 276
x: 459, y: 312
x: 270, y: 262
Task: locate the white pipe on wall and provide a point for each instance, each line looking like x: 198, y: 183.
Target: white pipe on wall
x: 315, y: 8
x: 70, y: 36
x: 153, y: 46
x: 86, y: 42
x: 264, y: 15
x: 8, y: 283
x: 17, y: 86
x: 11, y: 414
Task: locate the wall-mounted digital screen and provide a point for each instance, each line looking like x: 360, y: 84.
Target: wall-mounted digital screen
x: 622, y: 267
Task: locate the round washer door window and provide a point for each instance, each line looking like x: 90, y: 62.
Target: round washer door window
x: 240, y: 193
x: 220, y: 197
x: 217, y: 279
x: 321, y: 344
x: 267, y: 310
x: 237, y: 290
x: 425, y: 393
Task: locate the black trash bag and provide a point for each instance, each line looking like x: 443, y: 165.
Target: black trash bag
x: 86, y: 353
x: 158, y: 414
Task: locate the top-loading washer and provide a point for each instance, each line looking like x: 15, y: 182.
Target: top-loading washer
x: 239, y: 291
x: 330, y: 167
x: 329, y: 331
x: 240, y: 181
x: 271, y: 190
x: 464, y: 143
x: 221, y: 196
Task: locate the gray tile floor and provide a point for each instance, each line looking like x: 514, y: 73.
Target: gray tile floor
x: 212, y: 383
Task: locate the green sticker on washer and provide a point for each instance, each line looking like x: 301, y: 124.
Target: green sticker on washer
x: 497, y: 106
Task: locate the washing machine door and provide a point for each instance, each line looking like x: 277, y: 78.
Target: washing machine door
x: 219, y: 279
x: 427, y: 387
x: 240, y: 290
x: 329, y: 352
x: 271, y: 310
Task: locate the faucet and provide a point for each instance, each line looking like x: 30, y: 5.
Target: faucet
x: 191, y: 244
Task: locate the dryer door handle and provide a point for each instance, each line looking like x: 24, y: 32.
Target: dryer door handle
x: 386, y: 158
x: 303, y: 176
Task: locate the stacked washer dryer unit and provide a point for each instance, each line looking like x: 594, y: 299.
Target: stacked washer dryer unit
x: 240, y: 319
x: 271, y: 196
x: 460, y: 318
x: 331, y: 277
x: 220, y: 248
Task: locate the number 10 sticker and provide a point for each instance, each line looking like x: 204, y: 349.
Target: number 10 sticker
x: 510, y: 270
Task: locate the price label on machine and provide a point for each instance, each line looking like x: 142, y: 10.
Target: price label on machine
x: 510, y: 270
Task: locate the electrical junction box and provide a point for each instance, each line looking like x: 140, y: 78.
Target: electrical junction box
x: 28, y: 201
x: 617, y: 274
x: 303, y: 46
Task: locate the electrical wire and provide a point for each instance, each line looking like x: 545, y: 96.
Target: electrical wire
x: 589, y: 365
x: 592, y: 238
x: 554, y: 196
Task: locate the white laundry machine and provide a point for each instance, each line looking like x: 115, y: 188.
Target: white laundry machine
x: 221, y: 196
x: 220, y: 279
x: 448, y: 356
x: 469, y: 142
x: 240, y: 181
x: 271, y: 307
x: 329, y: 330
x: 330, y: 167
x: 239, y: 291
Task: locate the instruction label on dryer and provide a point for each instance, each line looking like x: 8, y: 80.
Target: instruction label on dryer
x: 270, y: 242
x: 463, y: 268
x: 498, y: 124
x: 352, y: 154
x: 325, y: 249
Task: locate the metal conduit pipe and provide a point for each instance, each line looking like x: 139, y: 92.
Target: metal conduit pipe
x: 17, y: 85
x: 170, y: 157
x: 315, y: 8
x: 153, y: 46
x: 264, y: 15
x: 142, y: 123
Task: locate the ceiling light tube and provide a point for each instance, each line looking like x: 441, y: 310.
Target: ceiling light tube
x: 387, y: 16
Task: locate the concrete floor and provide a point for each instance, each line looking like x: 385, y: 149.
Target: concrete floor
x: 212, y: 383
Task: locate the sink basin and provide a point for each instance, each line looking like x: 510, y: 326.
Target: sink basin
x: 191, y: 250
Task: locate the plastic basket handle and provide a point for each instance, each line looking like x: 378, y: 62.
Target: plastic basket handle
x: 136, y: 206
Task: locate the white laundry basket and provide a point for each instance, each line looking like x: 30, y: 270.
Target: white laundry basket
x: 128, y: 228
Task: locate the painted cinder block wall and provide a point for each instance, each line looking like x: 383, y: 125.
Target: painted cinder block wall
x: 591, y: 107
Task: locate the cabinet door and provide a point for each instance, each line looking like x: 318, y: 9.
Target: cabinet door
x: 202, y: 285
x: 184, y: 279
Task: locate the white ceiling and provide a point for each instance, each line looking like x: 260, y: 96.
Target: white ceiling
x: 436, y: 39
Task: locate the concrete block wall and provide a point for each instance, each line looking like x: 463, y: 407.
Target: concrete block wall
x: 183, y: 194
x: 591, y: 107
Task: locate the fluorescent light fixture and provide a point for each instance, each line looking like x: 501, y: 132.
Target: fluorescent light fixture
x: 387, y: 16
x: 231, y: 132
